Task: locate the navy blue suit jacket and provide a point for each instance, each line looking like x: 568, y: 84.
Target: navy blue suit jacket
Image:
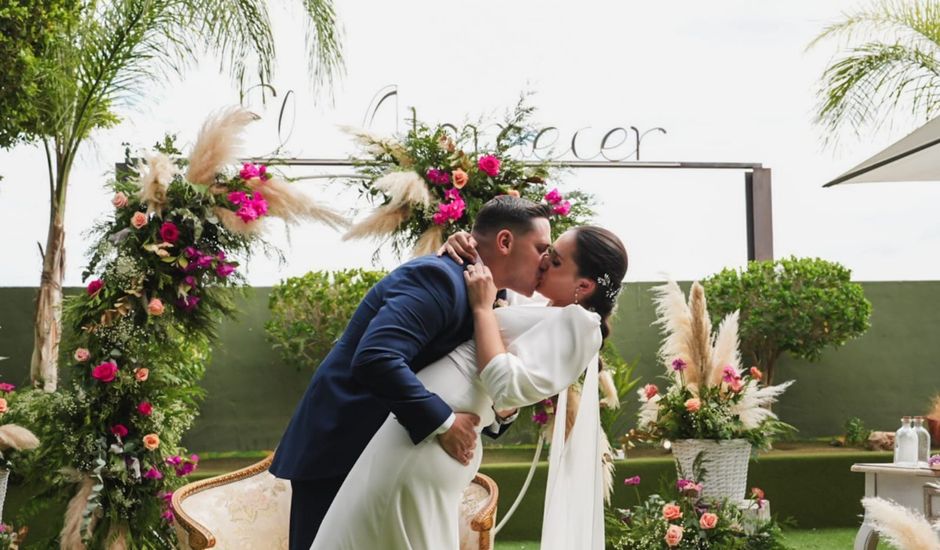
x: 415, y: 315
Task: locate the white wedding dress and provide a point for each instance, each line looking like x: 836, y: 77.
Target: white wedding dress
x: 401, y: 496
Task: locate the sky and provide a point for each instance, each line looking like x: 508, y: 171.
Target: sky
x: 729, y: 81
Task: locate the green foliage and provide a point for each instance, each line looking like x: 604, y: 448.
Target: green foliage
x: 27, y: 31
x: 889, y: 63
x: 644, y: 526
x: 621, y: 372
x: 856, y: 434
x: 309, y: 313
x: 796, y: 305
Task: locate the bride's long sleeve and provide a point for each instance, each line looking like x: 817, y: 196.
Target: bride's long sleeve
x: 544, y: 359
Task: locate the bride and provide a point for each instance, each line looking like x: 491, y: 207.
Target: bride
x: 401, y: 496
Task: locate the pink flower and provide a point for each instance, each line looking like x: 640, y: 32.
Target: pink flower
x: 139, y: 220
x: 693, y: 405
x: 540, y: 418
x: 105, y: 372
x: 729, y: 373
x: 650, y: 391
x: 439, y: 177
x: 153, y: 473
x: 259, y: 204
x: 757, y: 492
x: 169, y: 232
x: 189, y: 280
x: 632, y: 481
x: 250, y: 170
x: 174, y: 460
x: 439, y: 218
x: 489, y: 165
x: 756, y: 374
x: 119, y: 200
x: 119, y: 430
x: 141, y: 374
x: 933, y: 461
x: 689, y: 488
x: 224, y: 270
x: 553, y: 196
x: 679, y: 365
x: 155, y: 307
x: 736, y: 385
x: 672, y: 511
x: 562, y: 209
x: 168, y: 516
x: 190, y: 252
x: 188, y: 303
x: 452, y: 194
x: 94, y: 287
x: 247, y: 213
x: 6, y: 388
x: 673, y: 535
x: 82, y: 355
x: 236, y: 197
x: 708, y: 520
x: 145, y: 408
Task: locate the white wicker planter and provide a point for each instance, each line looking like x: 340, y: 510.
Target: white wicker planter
x: 725, y: 464
x: 4, y: 477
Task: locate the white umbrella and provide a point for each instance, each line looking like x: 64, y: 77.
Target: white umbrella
x: 913, y: 158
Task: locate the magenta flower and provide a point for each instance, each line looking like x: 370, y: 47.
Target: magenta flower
x: 540, y: 418
x: 188, y: 303
x: 553, y: 196
x: 934, y: 460
x: 247, y: 213
x: 679, y: 365
x: 190, y: 252
x: 94, y: 287
x: 168, y: 516
x: 204, y: 261
x: 190, y: 281
x: 174, y: 460
x: 105, y: 372
x: 169, y: 232
x: 452, y: 194
x: 439, y: 218
x: 236, y: 197
x: 489, y: 165
x: 439, y: 177
x: 145, y: 408
x: 6, y: 388
x: 563, y: 208
x: 224, y: 270
x: 119, y: 430
x: 250, y: 170
x: 153, y: 473
x: 632, y: 481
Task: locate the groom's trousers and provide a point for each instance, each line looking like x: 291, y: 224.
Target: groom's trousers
x: 310, y: 499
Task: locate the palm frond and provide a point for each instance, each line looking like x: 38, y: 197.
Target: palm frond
x: 323, y: 42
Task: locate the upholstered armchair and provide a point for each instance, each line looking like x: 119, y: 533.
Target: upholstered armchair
x: 250, y: 509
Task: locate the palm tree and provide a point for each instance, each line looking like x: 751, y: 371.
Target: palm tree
x: 892, y: 62
x: 103, y: 61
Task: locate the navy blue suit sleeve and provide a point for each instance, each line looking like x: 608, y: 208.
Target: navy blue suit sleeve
x: 418, y: 307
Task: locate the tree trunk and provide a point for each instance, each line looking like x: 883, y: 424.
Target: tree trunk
x: 47, y: 328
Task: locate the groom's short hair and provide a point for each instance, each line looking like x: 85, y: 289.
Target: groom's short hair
x: 507, y: 212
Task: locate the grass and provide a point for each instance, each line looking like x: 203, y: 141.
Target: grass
x: 810, y: 539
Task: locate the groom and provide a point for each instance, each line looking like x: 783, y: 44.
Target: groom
x: 415, y: 315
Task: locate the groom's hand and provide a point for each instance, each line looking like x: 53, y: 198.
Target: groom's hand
x: 460, y: 440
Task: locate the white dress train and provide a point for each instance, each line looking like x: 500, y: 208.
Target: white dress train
x: 401, y: 496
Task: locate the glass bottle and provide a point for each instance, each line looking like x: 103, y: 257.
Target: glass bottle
x: 923, y: 441
x: 905, y: 444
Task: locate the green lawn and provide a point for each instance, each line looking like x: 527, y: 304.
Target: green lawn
x: 810, y: 539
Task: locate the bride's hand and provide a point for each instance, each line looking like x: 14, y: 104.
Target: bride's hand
x: 460, y: 246
x: 481, y: 290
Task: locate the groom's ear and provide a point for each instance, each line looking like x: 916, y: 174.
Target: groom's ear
x: 504, y: 241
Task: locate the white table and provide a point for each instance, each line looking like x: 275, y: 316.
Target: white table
x: 914, y: 488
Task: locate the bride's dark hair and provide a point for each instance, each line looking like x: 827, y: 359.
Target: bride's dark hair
x: 601, y: 257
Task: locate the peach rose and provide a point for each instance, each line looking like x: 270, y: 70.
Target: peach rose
x: 513, y: 193
x: 151, y: 441
x: 3, y: 405
x: 82, y: 355
x: 138, y: 220
x: 673, y: 535
x: 756, y: 374
x: 459, y: 178
x: 155, y: 307
x: 119, y: 200
x: 708, y: 520
x: 736, y: 385
x: 693, y: 405
x: 141, y: 374
x: 672, y: 511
